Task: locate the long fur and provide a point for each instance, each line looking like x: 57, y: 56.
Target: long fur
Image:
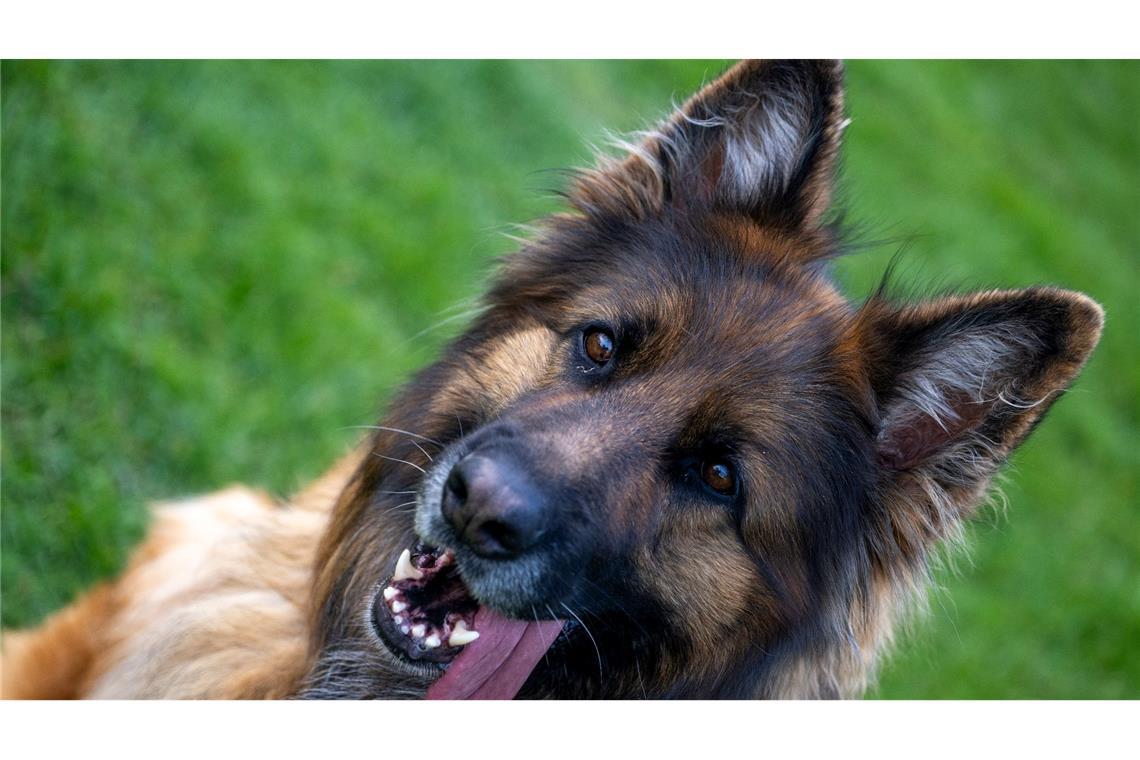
x: 867, y: 434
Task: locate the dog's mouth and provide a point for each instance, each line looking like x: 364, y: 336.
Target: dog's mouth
x: 426, y: 615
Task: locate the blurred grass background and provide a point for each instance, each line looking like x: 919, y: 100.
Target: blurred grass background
x: 210, y: 271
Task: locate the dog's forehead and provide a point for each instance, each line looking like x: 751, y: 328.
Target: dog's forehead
x: 704, y: 309
x: 717, y: 307
x: 728, y: 346
x: 724, y: 276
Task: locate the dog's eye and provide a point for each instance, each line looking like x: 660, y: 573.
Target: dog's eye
x: 719, y: 476
x: 599, y: 345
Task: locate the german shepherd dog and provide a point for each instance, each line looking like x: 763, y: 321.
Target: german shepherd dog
x: 667, y: 459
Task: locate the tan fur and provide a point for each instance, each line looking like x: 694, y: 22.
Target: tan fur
x: 512, y: 365
x: 212, y: 605
x: 54, y: 660
x: 234, y: 596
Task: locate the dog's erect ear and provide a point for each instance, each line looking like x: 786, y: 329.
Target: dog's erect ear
x: 960, y: 382
x: 761, y: 140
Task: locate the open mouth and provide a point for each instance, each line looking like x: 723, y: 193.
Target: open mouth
x: 425, y: 612
x: 426, y: 615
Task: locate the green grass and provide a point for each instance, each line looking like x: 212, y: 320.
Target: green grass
x: 211, y: 271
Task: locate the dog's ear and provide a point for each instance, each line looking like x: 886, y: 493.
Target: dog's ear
x: 761, y: 140
x: 959, y: 383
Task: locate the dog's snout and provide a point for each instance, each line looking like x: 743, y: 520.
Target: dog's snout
x: 494, y: 506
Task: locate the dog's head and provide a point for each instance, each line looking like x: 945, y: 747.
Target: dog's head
x: 668, y: 430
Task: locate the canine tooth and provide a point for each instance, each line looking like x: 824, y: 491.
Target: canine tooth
x: 460, y: 635
x: 405, y: 629
x: 418, y: 631
x: 431, y: 642
x: 405, y: 569
x: 399, y: 606
x: 398, y: 620
x: 390, y: 593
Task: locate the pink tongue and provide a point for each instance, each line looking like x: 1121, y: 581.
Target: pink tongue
x: 496, y: 665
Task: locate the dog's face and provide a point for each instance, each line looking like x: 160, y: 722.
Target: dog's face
x: 645, y: 453
x: 668, y: 430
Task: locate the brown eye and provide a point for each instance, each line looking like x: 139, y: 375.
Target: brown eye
x: 599, y: 345
x: 719, y: 476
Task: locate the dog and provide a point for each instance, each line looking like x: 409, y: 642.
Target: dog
x: 667, y: 459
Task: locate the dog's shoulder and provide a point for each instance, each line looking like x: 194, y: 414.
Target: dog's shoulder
x: 213, y: 604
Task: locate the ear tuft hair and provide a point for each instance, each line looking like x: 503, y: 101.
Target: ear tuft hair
x: 961, y: 381
x: 760, y: 141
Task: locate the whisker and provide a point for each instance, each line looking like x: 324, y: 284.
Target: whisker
x: 545, y: 657
x: 586, y: 628
x: 401, y: 461
x: 454, y: 318
x: 613, y: 600
x: 421, y: 448
x: 565, y: 669
x: 397, y: 508
x: 395, y: 430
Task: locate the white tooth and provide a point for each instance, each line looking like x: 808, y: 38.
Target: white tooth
x: 431, y: 642
x: 404, y: 629
x: 405, y: 569
x: 399, y: 606
x: 389, y: 593
x: 419, y: 631
x: 460, y: 635
x: 398, y: 620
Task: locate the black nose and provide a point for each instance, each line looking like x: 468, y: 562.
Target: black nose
x: 493, y: 506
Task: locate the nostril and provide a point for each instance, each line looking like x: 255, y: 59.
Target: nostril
x: 453, y: 503
x: 457, y: 485
x: 505, y: 534
x: 496, y: 538
x: 493, y: 506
